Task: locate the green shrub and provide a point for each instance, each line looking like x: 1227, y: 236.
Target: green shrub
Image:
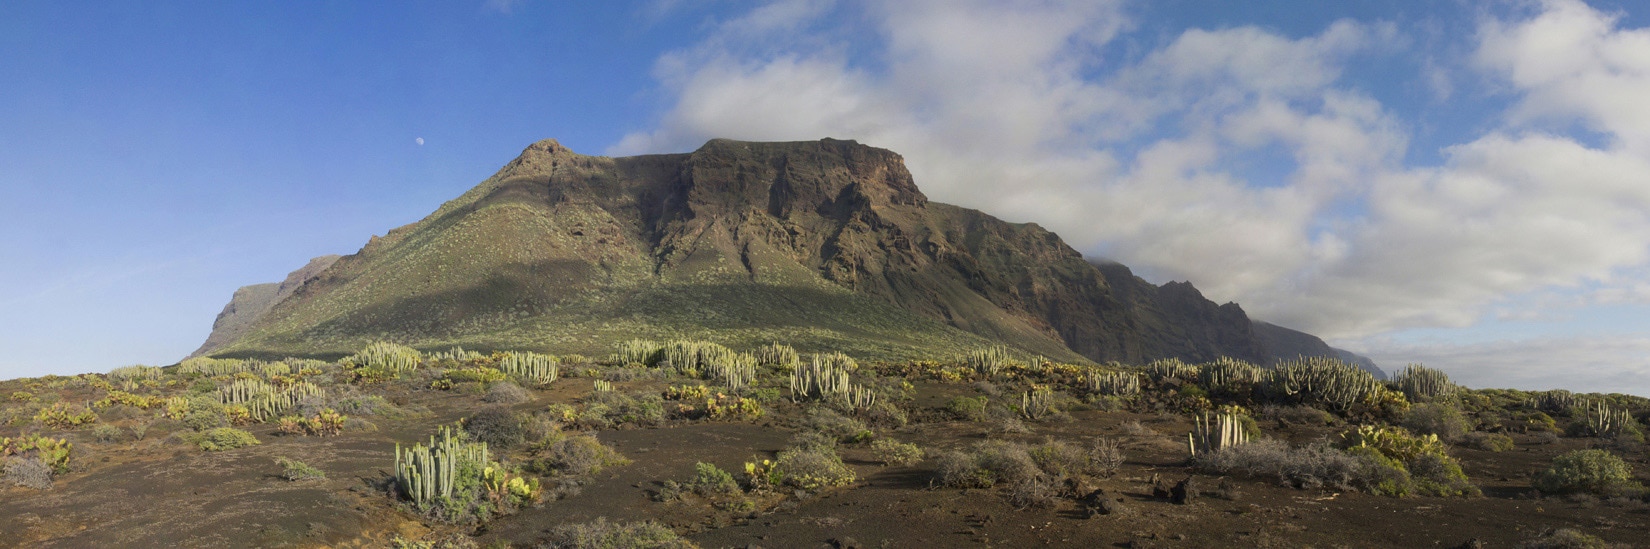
x: 1593, y: 471
x: 576, y: 455
x: 1437, y: 419
x: 1565, y: 538
x: 63, y: 415
x: 223, y: 438
x: 107, y: 433
x: 1489, y: 442
x: 893, y: 452
x: 497, y: 426
x: 295, y: 470
x: 601, y: 534
x: 968, y: 408
x: 987, y: 464
x: 709, y: 480
x: 812, y: 469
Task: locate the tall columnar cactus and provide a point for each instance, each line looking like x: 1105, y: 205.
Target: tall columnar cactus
x: 988, y: 361
x: 264, y: 401
x: 1557, y: 400
x: 1320, y: 381
x: 782, y: 357
x: 1420, y: 383
x: 1228, y: 374
x: 1038, y: 402
x: 425, y: 473
x: 1604, y: 421
x: 387, y: 356
x: 456, y: 354
x: 1212, y: 433
x: 1114, y: 383
x: 821, y: 377
x: 1170, y: 369
x: 735, y: 371
x: 135, y: 372
x: 638, y: 351
x: 215, y: 366
x: 531, y: 367
x: 859, y: 398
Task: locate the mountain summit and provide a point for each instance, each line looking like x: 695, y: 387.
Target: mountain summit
x: 823, y: 244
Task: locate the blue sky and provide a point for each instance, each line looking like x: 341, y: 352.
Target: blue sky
x: 1464, y: 184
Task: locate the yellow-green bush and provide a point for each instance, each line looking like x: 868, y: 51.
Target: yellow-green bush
x: 63, y: 415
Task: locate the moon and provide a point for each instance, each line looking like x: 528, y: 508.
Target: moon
x: 419, y: 141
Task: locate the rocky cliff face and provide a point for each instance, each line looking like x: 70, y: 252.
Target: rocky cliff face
x: 251, y: 303
x: 823, y: 242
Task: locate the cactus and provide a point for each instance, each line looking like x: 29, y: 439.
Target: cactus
x: 782, y: 357
x: 1604, y: 421
x: 531, y: 367
x: 822, y: 376
x: 859, y: 398
x: 386, y: 356
x: 456, y: 354
x: 603, y: 386
x: 638, y: 351
x: 425, y: 473
x: 1037, y: 403
x: 1228, y: 374
x: 1420, y: 383
x: 263, y: 401
x: 988, y: 361
x: 1555, y: 401
x: 1114, y: 383
x: 215, y: 366
x: 136, y: 372
x: 1321, y: 381
x: 1211, y: 434
x: 1162, y: 370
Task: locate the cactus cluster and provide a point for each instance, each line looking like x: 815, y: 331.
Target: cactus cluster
x: 820, y: 377
x: 1212, y: 433
x: 135, y: 372
x: 1037, y: 403
x: 735, y: 371
x: 456, y: 354
x: 781, y: 357
x: 1606, y: 422
x: 425, y: 473
x: 531, y: 367
x: 859, y: 398
x: 1420, y: 383
x: 385, y: 356
x: 264, y: 401
x: 988, y: 361
x: 603, y: 386
x: 1320, y: 381
x: 1166, y: 369
x: 1554, y: 401
x: 54, y: 452
x: 1114, y: 383
x: 638, y: 351
x: 1228, y: 374
x: 215, y: 366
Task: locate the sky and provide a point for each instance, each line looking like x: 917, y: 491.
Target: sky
x: 1460, y: 184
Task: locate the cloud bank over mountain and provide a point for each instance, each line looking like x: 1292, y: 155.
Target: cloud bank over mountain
x: 1243, y: 159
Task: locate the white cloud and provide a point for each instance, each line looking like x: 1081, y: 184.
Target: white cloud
x: 1010, y: 107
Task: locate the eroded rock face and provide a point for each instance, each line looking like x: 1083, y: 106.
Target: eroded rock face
x: 251, y: 303
x: 553, y: 228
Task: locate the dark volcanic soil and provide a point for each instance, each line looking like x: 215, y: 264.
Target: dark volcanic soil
x: 160, y: 492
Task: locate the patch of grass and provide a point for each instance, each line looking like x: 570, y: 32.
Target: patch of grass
x: 295, y: 470
x: 602, y: 534
x: 893, y: 452
x: 223, y: 438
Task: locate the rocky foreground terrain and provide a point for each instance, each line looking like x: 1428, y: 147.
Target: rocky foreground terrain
x: 693, y: 444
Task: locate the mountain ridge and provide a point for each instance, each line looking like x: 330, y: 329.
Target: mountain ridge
x: 826, y: 241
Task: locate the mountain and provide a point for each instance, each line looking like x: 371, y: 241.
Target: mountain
x: 251, y: 303
x: 822, y: 244
x: 1284, y: 344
